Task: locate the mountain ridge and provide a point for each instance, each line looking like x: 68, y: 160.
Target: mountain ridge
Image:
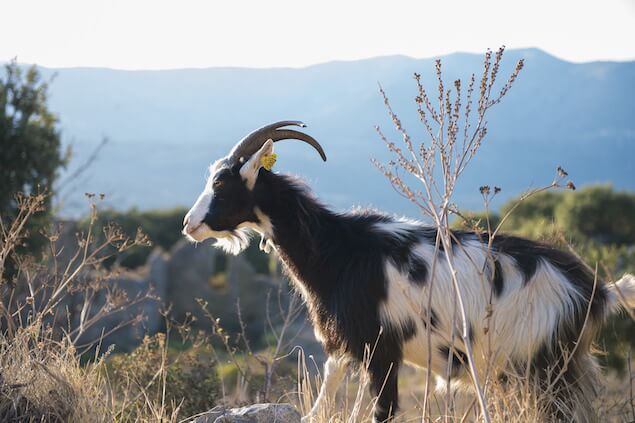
x: 165, y: 126
x: 387, y: 56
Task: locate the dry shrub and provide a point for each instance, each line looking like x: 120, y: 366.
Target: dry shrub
x: 510, y: 398
x: 47, y: 307
x: 42, y: 380
x: 179, y: 383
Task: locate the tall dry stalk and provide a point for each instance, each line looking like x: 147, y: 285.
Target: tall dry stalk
x: 455, y: 133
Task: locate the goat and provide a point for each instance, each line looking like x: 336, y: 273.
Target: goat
x: 366, y: 278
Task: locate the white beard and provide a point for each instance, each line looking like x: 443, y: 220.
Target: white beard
x: 234, y: 242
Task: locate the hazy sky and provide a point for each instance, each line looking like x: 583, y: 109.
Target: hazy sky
x: 158, y: 34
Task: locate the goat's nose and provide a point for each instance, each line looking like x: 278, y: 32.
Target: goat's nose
x: 187, y: 228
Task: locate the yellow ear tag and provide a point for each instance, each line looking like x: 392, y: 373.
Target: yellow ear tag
x: 268, y: 160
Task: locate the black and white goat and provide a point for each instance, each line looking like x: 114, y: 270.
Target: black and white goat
x: 366, y: 278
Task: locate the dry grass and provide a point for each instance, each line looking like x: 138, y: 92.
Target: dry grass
x: 509, y: 401
x: 42, y: 380
x: 42, y: 374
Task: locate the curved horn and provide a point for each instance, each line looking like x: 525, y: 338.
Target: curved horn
x: 289, y: 134
x: 254, y: 140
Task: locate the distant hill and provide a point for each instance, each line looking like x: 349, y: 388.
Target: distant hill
x: 166, y: 126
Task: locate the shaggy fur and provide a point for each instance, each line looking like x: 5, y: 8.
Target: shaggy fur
x: 366, y: 278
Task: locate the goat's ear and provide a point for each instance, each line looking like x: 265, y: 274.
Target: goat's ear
x: 249, y: 171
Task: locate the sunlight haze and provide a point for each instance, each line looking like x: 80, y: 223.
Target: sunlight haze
x: 144, y: 34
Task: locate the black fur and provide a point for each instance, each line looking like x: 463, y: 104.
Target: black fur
x: 459, y: 360
x: 339, y: 259
x: 232, y: 203
x: 430, y: 235
x: 417, y: 270
x: 497, y: 280
x: 520, y: 249
x: 434, y: 320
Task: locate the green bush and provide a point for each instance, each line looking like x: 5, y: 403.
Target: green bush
x: 163, y: 228
x: 537, y: 208
x: 283, y: 379
x: 600, y: 214
x: 189, y: 377
x: 31, y: 153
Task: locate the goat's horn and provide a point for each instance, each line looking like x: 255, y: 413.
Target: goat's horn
x: 288, y: 134
x: 253, y: 141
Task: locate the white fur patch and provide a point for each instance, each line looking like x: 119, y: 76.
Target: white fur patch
x: 522, y: 319
x: 334, y: 372
x: 234, y: 241
x: 249, y: 171
x: 400, y: 227
x: 193, y: 226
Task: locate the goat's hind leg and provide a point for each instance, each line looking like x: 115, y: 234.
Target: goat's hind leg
x: 334, y: 371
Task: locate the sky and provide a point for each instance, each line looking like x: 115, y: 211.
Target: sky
x: 160, y: 34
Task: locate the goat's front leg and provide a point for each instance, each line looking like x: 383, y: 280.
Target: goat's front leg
x: 334, y: 371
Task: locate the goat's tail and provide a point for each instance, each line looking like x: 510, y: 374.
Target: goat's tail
x: 622, y: 292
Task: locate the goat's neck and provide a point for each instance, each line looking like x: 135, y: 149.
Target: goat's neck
x: 297, y: 225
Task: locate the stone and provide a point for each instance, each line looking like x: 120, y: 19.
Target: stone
x: 257, y: 413
x: 195, y: 271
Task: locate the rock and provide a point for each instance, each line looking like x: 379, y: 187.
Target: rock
x: 202, y: 271
x: 130, y: 285
x: 257, y: 413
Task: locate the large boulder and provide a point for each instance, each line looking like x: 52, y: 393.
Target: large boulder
x: 190, y: 270
x: 201, y: 271
x: 147, y: 289
x: 257, y: 413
